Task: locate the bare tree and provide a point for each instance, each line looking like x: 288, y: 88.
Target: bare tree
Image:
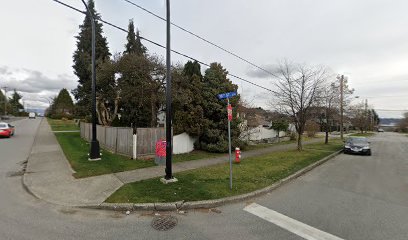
x: 299, y: 87
x: 358, y: 117
x: 329, y: 101
x: 403, y: 124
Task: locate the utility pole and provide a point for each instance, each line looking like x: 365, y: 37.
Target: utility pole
x: 94, y: 152
x: 169, y: 143
x: 341, y: 106
x: 366, y: 114
x: 5, y: 101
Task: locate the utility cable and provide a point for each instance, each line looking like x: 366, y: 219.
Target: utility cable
x: 160, y: 45
x: 202, y: 38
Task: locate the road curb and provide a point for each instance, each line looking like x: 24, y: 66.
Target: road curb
x: 181, y: 205
x: 26, y: 186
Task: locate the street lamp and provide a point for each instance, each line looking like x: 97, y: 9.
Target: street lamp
x: 169, y: 143
x: 94, y: 153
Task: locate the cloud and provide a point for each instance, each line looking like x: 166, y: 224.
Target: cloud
x: 36, y: 88
x: 259, y: 73
x: 4, y: 71
x: 32, y: 81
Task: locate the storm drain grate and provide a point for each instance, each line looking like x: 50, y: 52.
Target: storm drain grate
x: 164, y: 223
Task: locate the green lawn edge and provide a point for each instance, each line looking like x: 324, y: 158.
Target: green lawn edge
x: 213, y: 182
x: 62, y: 125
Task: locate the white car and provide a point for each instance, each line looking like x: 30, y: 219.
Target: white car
x: 31, y: 115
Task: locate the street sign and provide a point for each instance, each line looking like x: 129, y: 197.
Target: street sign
x: 226, y: 95
x: 229, y: 111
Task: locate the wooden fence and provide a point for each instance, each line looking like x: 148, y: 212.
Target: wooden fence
x: 146, y: 140
x: 117, y: 140
x: 122, y: 140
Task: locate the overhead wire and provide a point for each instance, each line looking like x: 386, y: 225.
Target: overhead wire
x: 161, y: 46
x: 202, y: 38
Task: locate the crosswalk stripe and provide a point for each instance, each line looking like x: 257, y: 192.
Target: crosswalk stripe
x: 292, y: 225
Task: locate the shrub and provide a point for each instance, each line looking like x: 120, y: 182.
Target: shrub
x: 292, y: 136
x: 311, y: 128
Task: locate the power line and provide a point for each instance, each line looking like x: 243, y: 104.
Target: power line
x: 202, y: 38
x: 380, y: 81
x: 383, y: 96
x: 391, y: 110
x: 161, y: 46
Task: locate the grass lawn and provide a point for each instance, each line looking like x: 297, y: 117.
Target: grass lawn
x: 213, y: 182
x: 76, y: 150
x: 368, y: 134
x: 265, y: 145
x: 62, y: 125
x: 195, y: 155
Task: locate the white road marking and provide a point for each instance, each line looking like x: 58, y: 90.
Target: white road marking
x: 292, y: 225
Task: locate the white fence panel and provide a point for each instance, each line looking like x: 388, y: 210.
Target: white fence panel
x: 183, y: 143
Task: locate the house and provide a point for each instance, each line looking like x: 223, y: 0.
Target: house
x: 256, y: 125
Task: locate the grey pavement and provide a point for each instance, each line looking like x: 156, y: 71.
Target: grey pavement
x: 49, y: 175
x: 352, y: 197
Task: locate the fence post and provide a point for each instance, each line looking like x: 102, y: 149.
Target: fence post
x: 116, y: 140
x: 134, y: 146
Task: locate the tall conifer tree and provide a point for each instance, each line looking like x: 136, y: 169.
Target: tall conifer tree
x: 83, y: 56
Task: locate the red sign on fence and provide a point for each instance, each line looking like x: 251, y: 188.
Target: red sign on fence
x: 229, y: 110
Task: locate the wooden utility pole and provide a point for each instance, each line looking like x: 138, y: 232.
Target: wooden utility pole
x: 341, y: 106
x: 5, y: 101
x: 366, y: 114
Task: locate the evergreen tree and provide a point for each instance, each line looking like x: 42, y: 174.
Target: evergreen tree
x: 2, y: 102
x: 83, y: 57
x: 188, y: 114
x: 140, y: 84
x: 14, y: 103
x: 134, y: 45
x: 215, y: 129
x: 280, y: 125
x: 63, y: 103
x: 109, y: 91
x: 139, y: 91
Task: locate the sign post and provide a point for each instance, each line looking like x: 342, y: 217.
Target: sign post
x: 229, y: 112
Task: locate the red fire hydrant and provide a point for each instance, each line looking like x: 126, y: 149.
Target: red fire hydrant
x: 237, y: 155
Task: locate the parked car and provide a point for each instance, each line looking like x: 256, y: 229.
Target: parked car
x: 31, y: 115
x: 6, y: 129
x: 380, y: 130
x: 359, y: 145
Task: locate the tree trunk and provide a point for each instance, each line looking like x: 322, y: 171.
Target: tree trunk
x: 299, y: 146
x: 154, y: 114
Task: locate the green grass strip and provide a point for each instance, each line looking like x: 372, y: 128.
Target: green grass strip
x: 213, y: 182
x: 76, y: 151
x: 62, y: 125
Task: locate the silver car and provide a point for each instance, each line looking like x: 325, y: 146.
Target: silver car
x: 358, y: 145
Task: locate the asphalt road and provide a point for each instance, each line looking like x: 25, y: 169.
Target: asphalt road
x: 351, y: 197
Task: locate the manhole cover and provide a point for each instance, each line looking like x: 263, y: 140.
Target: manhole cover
x: 164, y: 223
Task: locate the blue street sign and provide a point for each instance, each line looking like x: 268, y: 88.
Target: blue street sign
x: 226, y: 95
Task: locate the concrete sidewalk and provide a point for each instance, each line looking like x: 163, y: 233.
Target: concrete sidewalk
x: 49, y: 175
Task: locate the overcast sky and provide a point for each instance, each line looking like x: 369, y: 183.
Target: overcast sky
x: 365, y: 40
